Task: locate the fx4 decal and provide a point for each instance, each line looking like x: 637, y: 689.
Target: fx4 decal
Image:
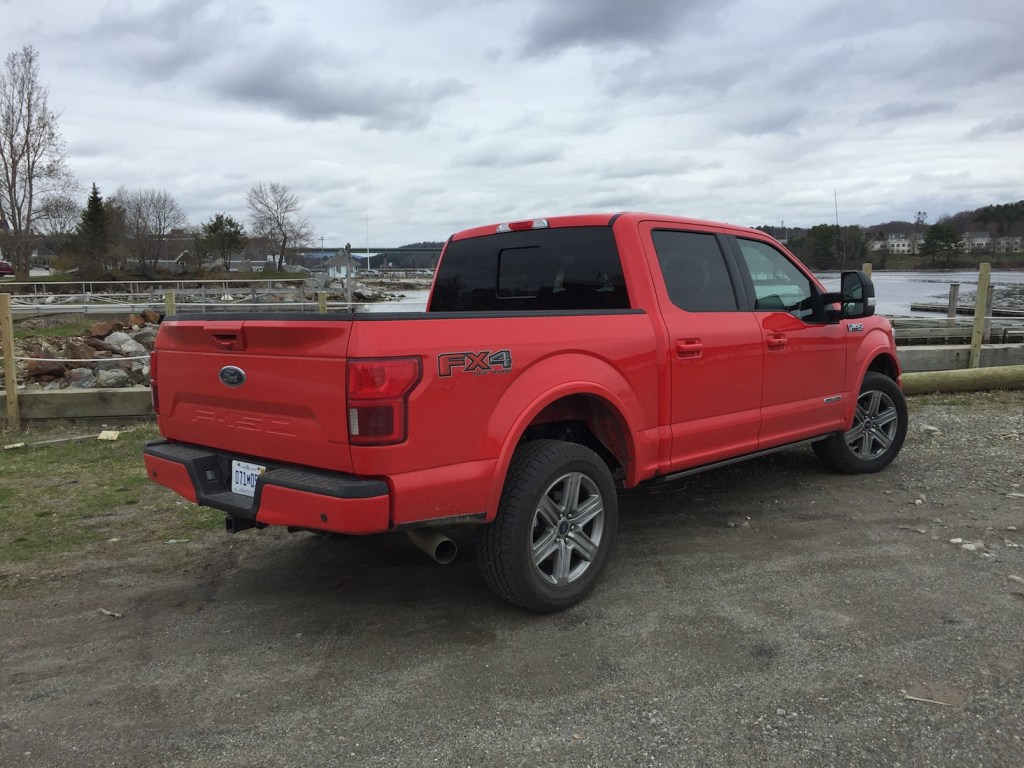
x: 476, y: 363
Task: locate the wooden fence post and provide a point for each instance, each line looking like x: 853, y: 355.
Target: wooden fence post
x: 321, y: 300
x: 954, y: 302
x: 980, y: 312
x: 10, y: 368
x: 169, y: 308
x: 866, y: 268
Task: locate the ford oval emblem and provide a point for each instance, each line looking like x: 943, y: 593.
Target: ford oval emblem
x: 232, y: 376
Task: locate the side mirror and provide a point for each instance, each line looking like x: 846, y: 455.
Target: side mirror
x: 857, y: 294
x: 856, y: 297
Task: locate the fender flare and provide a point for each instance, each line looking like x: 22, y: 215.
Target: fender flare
x: 532, y: 392
x: 875, y: 345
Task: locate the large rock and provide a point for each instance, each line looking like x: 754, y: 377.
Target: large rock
x: 45, y: 364
x: 111, y: 379
x: 80, y: 378
x: 104, y: 329
x: 132, y: 348
x: 112, y: 364
x: 145, y: 336
x: 98, y: 345
x: 79, y: 350
x: 117, y: 340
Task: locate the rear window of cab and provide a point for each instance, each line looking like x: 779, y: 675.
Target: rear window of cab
x: 570, y: 268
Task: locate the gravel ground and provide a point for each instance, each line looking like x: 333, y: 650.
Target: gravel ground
x: 771, y: 613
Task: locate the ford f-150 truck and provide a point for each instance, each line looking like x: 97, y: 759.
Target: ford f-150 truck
x: 557, y: 359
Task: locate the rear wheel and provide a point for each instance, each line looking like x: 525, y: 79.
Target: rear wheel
x: 555, y: 527
x: 878, y: 431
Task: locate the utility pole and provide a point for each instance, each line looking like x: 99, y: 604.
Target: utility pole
x: 348, y: 274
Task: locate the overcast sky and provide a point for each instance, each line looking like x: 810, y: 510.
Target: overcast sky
x: 398, y: 121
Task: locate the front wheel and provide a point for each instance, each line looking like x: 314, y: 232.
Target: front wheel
x: 555, y: 527
x: 878, y: 431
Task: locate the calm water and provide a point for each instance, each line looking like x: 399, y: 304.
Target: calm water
x: 894, y: 291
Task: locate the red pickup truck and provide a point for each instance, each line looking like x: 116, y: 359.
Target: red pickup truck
x: 557, y: 360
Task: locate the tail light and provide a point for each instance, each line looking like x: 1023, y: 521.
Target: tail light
x: 378, y: 399
x: 154, y: 393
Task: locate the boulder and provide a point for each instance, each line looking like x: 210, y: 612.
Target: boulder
x: 117, y: 340
x: 80, y: 378
x: 111, y: 379
x: 79, y: 350
x: 132, y: 348
x: 103, y: 329
x: 98, y: 345
x: 46, y: 366
x: 111, y: 364
x: 145, y: 336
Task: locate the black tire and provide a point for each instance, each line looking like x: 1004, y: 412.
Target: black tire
x: 877, y: 434
x: 544, y: 551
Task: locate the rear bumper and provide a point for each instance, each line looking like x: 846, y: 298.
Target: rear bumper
x: 285, y: 495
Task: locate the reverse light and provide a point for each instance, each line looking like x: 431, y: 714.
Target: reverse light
x: 378, y: 397
x: 519, y: 226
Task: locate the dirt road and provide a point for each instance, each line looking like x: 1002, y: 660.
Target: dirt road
x: 771, y: 613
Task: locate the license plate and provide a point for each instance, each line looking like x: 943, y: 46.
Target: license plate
x: 243, y: 477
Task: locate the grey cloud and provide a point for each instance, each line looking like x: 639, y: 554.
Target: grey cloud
x: 767, y: 122
x: 240, y: 53
x: 654, y: 166
x: 179, y: 36
x: 497, y: 155
x: 609, y: 24
x: 905, y: 110
x: 955, y: 62
x: 314, y: 85
x: 996, y: 127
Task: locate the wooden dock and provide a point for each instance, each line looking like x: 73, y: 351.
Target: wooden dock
x: 926, y: 330
x: 965, y: 309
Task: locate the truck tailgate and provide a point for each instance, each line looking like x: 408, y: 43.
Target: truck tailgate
x: 271, y: 387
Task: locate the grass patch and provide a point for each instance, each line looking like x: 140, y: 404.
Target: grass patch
x: 64, y: 331
x: 58, y: 497
x: 999, y: 397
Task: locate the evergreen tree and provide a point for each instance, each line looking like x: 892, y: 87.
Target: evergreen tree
x: 92, y: 235
x: 942, y: 242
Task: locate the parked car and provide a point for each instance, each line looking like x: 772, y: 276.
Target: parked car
x: 6, y: 269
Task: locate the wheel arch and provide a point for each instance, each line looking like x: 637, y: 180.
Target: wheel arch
x: 886, y: 364
x: 597, y: 408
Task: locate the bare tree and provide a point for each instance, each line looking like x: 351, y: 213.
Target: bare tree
x: 59, y: 215
x: 150, y: 218
x: 275, y: 214
x: 32, y: 164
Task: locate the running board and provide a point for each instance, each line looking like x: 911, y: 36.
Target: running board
x: 737, y: 460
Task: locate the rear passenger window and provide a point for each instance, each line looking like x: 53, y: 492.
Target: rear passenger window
x: 570, y: 268
x: 694, y: 270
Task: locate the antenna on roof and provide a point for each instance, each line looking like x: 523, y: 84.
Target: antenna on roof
x: 840, y: 245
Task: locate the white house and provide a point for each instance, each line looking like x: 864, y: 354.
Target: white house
x: 337, y: 267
